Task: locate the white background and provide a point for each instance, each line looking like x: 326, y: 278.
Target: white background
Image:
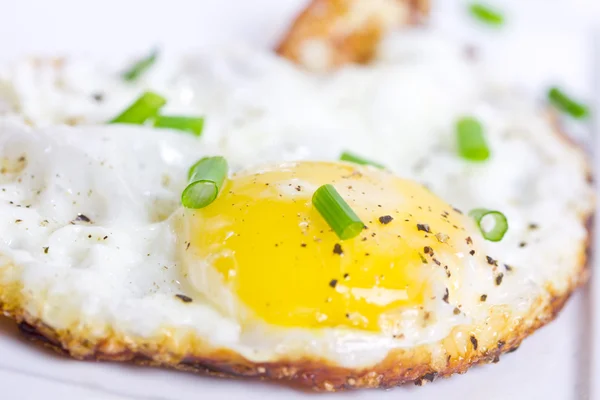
x: 110, y: 27
x: 545, y: 41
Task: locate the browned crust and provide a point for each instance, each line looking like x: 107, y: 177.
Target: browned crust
x: 399, y: 367
x: 355, y: 43
x: 315, y: 374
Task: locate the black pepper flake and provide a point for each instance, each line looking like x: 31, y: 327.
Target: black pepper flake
x: 46, y: 250
x: 302, y: 244
x: 472, y: 252
x: 333, y: 283
x: 82, y: 218
x: 187, y: 246
x: 496, y: 359
x: 456, y: 311
x: 469, y: 240
x: 337, y: 249
x: 347, y: 315
x: 483, y: 297
x: 184, y: 298
x: 522, y: 244
x: 507, y: 267
x: 423, y: 227
x: 491, y: 261
x: 346, y: 276
x: 105, y: 237
x: 446, y: 295
x: 423, y: 259
x: 471, y: 52
x: 385, y: 219
x: 99, y: 97
x: 457, y: 210
x: 533, y: 226
x: 499, y: 279
x: 373, y: 234
x: 474, y: 342
x: 429, y: 377
x: 18, y: 221
x: 428, y: 250
x: 501, y: 343
x: 363, y: 239
x: 298, y: 188
x: 436, y: 261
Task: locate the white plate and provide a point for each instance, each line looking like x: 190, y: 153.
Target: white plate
x: 555, y: 364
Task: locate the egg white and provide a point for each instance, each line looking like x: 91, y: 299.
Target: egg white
x: 399, y: 111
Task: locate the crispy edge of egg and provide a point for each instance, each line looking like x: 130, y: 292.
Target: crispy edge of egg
x: 465, y: 346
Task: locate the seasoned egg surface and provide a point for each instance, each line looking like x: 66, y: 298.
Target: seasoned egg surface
x: 98, y: 255
x: 261, y: 250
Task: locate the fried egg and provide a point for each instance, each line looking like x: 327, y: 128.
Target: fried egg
x: 100, y: 259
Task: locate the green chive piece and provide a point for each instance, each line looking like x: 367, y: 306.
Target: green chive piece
x: 486, y: 14
x: 496, y: 233
x: 566, y: 104
x: 471, y: 141
x: 144, y: 108
x: 353, y: 158
x: 205, y: 179
x: 193, y: 125
x: 336, y: 212
x: 140, y: 66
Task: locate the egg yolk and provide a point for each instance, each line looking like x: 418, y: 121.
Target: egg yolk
x: 263, y: 243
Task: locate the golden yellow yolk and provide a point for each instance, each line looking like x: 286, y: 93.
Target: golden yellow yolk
x: 265, y: 245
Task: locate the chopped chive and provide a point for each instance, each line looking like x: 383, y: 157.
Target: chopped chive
x: 140, y: 66
x: 566, y: 104
x: 145, y: 107
x: 192, y: 125
x: 496, y: 233
x: 336, y: 212
x: 353, y: 158
x: 471, y: 141
x: 205, y: 179
x: 486, y: 14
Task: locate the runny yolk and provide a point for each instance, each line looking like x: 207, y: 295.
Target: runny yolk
x: 263, y: 242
